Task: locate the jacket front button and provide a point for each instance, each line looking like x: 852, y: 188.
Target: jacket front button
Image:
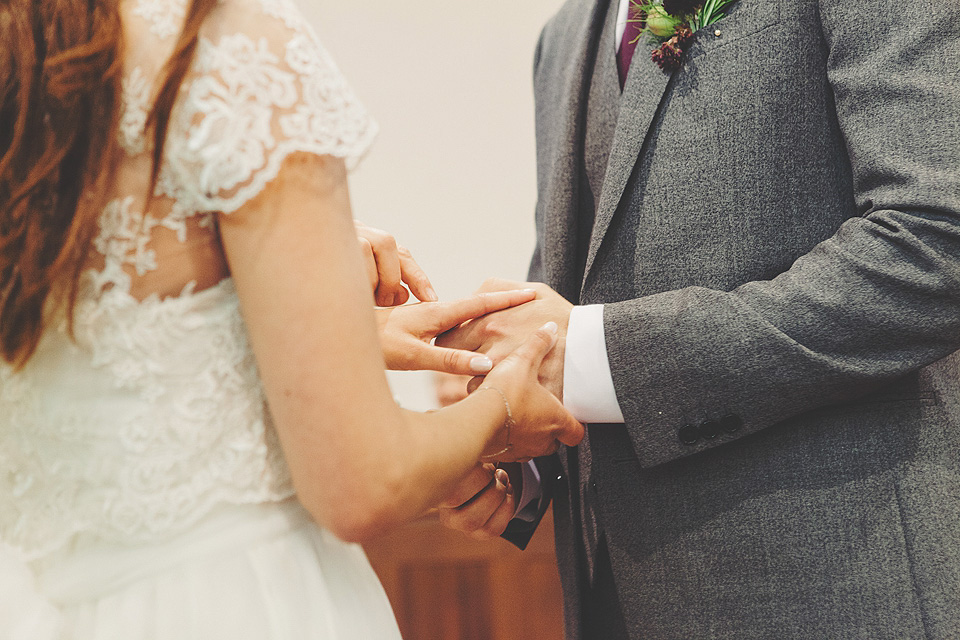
x: 690, y: 435
x: 710, y: 429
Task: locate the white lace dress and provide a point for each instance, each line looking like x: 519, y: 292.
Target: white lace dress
x: 143, y: 492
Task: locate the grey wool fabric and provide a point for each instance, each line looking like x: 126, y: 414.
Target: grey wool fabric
x: 775, y: 234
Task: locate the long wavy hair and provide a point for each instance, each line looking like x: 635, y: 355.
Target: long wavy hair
x: 60, y: 91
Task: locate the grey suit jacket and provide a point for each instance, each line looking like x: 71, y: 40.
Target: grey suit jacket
x: 777, y: 245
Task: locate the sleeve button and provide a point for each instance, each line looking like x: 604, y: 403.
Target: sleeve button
x: 710, y: 429
x: 731, y: 423
x: 690, y: 435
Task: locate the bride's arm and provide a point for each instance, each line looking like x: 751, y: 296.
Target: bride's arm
x: 359, y: 463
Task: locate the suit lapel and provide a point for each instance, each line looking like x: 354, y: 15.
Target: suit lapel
x: 642, y: 95
x: 561, y: 197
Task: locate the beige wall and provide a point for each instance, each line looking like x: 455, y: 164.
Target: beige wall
x: 452, y: 174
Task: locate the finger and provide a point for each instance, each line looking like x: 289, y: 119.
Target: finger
x: 369, y: 263
x: 499, y: 284
x: 571, y: 432
x: 480, y: 477
x: 474, y: 384
x: 450, y: 389
x: 467, y: 336
x: 501, y: 518
x: 400, y: 297
x: 415, y: 277
x: 474, y: 515
x: 385, y: 253
x: 456, y: 361
x: 456, y: 313
x: 388, y: 268
x: 537, y: 346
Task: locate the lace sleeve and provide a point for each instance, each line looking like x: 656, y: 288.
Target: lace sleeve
x: 262, y: 87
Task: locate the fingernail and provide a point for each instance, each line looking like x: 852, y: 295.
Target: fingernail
x: 431, y: 295
x: 551, y: 327
x: 528, y: 290
x: 481, y: 364
x: 503, y: 477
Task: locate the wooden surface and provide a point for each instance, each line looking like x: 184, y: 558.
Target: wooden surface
x: 446, y: 586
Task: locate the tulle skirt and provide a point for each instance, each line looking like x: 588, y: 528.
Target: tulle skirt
x: 256, y: 572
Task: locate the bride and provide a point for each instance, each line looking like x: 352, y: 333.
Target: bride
x: 145, y: 489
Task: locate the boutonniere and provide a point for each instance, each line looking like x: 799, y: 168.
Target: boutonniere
x: 670, y: 24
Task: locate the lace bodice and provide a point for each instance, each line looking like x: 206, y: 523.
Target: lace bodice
x: 154, y: 413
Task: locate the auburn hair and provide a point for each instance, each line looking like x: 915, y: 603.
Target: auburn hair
x: 61, y: 64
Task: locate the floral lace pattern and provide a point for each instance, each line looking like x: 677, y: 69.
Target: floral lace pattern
x: 125, y: 239
x: 171, y: 421
x: 165, y: 18
x: 256, y: 101
x: 154, y: 413
x: 133, y: 118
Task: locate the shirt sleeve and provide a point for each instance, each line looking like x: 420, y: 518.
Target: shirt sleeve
x: 588, y: 391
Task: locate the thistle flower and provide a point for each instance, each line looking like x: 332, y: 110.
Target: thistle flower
x: 669, y: 56
x: 673, y: 23
x: 683, y: 36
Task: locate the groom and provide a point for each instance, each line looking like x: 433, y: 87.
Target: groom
x: 763, y: 247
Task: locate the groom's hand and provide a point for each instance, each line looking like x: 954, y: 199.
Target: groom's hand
x: 407, y: 333
x: 497, y: 335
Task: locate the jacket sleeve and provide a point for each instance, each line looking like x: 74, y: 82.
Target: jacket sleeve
x: 695, y: 368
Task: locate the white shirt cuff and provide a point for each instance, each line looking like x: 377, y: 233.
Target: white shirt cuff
x: 588, y: 391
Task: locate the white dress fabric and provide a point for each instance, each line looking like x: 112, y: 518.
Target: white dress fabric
x: 143, y: 491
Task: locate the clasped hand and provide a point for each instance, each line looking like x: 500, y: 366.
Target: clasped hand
x: 539, y: 421
x: 521, y: 328
x: 486, y: 501
x: 407, y: 332
x: 499, y: 334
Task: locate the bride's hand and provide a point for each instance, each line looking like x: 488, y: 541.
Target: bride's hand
x: 537, y: 422
x: 484, y: 503
x: 389, y: 266
x: 407, y: 333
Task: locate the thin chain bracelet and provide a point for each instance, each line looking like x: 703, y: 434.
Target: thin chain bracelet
x: 508, y: 423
